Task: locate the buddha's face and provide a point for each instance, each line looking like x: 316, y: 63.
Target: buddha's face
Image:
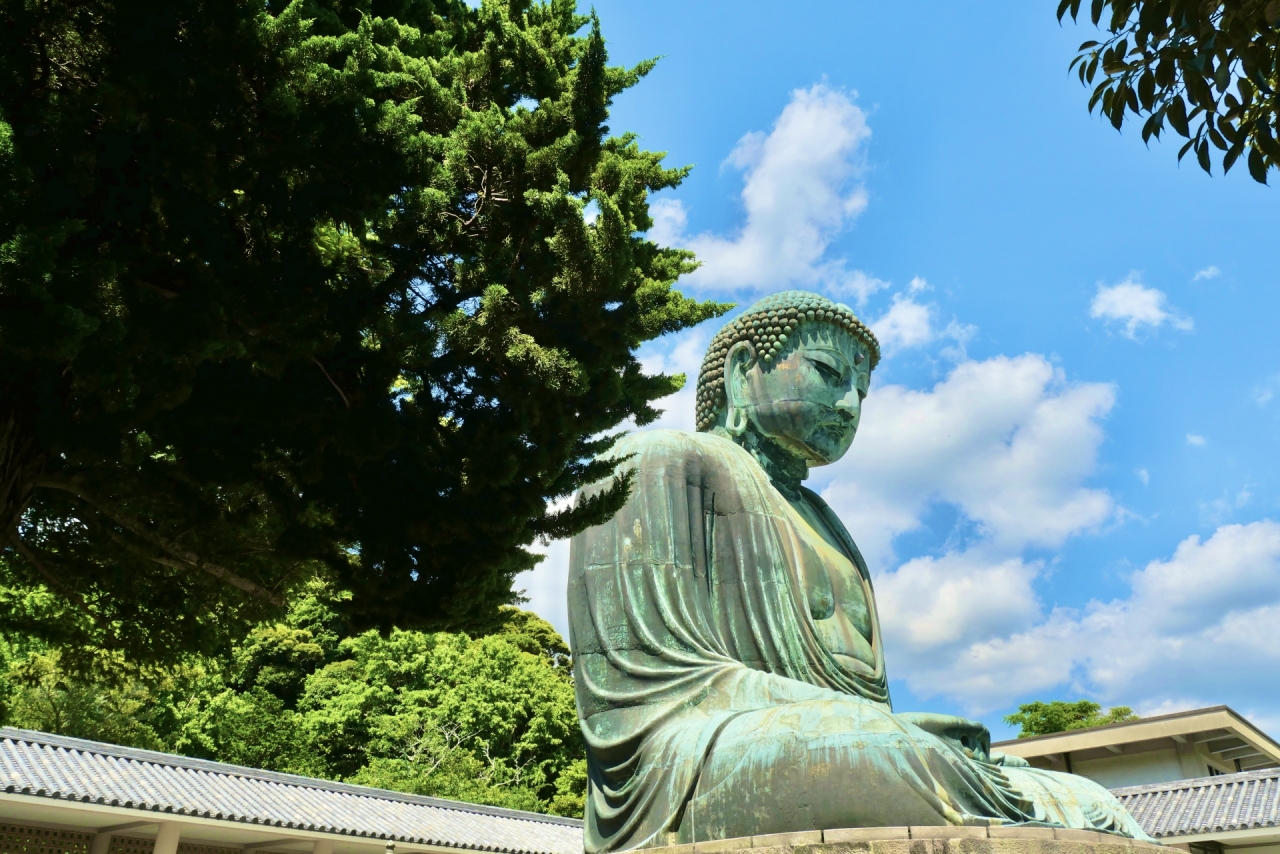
x: 810, y: 399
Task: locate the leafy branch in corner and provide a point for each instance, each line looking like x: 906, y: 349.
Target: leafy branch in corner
x: 1209, y: 69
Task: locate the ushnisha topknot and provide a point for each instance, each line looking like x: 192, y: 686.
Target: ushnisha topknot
x: 768, y: 324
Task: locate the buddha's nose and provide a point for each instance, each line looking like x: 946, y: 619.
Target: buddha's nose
x: 850, y: 404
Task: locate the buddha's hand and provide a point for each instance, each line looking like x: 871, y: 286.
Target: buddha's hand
x: 1008, y: 760
x: 970, y: 737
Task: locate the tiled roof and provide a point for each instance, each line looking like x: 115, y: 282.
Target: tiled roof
x: 1227, y: 802
x: 51, y: 766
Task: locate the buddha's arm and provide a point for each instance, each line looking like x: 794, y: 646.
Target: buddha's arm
x: 970, y: 736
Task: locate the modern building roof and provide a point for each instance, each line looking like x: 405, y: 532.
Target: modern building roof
x: 37, y: 765
x: 1224, y: 733
x: 1206, y: 806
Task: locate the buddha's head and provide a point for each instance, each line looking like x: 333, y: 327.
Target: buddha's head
x: 794, y: 369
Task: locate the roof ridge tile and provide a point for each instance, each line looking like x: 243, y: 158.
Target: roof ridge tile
x: 173, y: 760
x: 60, y: 767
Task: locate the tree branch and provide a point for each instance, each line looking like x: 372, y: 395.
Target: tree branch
x: 336, y: 388
x: 30, y: 556
x: 183, y: 559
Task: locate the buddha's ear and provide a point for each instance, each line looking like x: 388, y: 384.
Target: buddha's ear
x: 740, y: 359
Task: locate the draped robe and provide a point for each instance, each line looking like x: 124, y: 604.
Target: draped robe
x: 710, y: 707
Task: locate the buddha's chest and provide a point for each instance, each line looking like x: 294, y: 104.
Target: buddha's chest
x: 834, y: 589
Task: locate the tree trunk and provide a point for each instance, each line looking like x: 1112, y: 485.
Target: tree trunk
x: 21, y: 464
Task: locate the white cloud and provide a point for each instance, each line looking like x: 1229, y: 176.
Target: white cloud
x: 669, y: 221
x: 1210, y: 272
x: 910, y: 323
x: 907, y: 323
x: 1195, y: 440
x: 1009, y: 442
x: 1199, y: 622
x: 1011, y: 445
x: 801, y: 189
x: 1264, y: 392
x: 1221, y: 509
x: 1137, y: 306
x: 545, y: 586
x: 1200, y: 612
x: 956, y: 599
x: 684, y: 357
x: 855, y: 286
x: 1144, y: 476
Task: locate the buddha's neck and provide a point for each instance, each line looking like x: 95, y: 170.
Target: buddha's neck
x: 785, y: 469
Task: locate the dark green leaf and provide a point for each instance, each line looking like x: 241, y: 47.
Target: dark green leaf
x: 1151, y: 126
x: 1202, y: 155
x: 1257, y: 166
x: 1101, y: 93
x: 1245, y: 88
x: 1266, y: 141
x: 1147, y: 89
x: 1178, y: 115
x: 1229, y: 159
x: 1222, y: 77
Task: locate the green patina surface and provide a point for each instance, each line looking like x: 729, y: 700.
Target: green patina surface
x: 728, y: 659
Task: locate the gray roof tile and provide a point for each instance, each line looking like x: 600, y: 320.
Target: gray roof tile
x: 1243, y: 801
x: 39, y: 764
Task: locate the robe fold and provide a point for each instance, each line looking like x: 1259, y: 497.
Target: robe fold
x: 710, y: 707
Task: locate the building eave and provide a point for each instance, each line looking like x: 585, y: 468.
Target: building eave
x: 1179, y: 726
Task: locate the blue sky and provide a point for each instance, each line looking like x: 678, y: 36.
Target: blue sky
x: 1065, y: 480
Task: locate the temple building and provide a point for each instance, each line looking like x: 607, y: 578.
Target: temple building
x: 1206, y: 781
x: 63, y: 795
x: 1180, y: 746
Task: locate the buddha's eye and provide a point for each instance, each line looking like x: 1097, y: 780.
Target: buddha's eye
x: 827, y: 372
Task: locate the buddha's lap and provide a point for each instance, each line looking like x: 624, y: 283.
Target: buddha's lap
x: 851, y: 763
x: 821, y: 763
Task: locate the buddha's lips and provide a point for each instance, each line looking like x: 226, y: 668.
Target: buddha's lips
x: 839, y: 421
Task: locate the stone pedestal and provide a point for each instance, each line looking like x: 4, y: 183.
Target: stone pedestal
x: 923, y: 840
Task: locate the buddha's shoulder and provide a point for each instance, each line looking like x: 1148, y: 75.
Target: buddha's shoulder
x: 706, y: 450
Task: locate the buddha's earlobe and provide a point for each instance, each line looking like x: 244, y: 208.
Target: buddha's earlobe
x: 740, y: 359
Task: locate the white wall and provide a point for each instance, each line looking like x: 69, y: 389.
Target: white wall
x: 1156, y: 766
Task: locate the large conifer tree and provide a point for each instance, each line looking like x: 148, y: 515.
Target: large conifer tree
x: 305, y: 287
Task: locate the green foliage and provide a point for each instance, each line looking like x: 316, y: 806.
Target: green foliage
x: 1209, y: 68
x: 488, y: 720
x: 306, y: 287
x: 1059, y: 716
x: 530, y: 633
